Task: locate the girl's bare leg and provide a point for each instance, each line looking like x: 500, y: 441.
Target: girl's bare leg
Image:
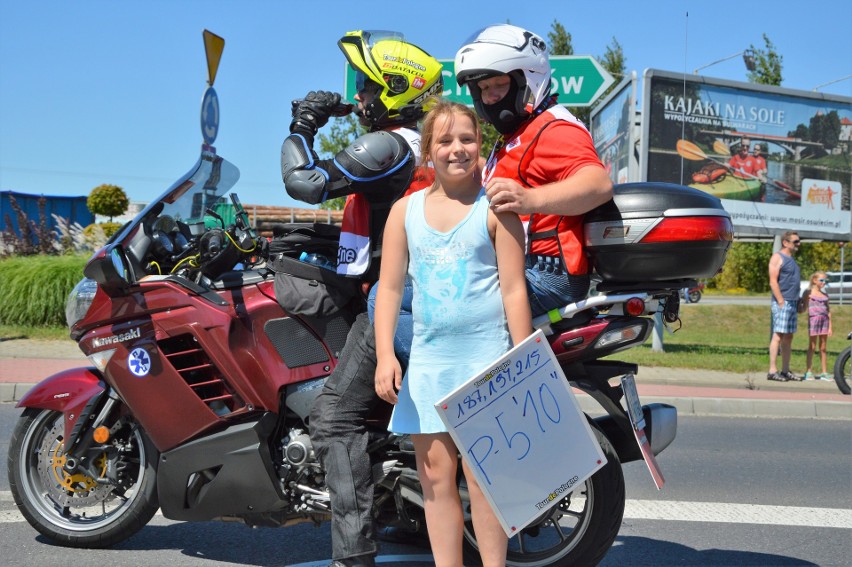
x: 810, y: 357
x: 490, y: 536
x: 437, y: 463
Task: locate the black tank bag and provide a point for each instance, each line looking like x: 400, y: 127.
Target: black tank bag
x: 306, y: 289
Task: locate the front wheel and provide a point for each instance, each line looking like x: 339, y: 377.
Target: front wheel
x: 577, y: 531
x: 842, y: 369
x: 70, y: 506
x: 694, y: 296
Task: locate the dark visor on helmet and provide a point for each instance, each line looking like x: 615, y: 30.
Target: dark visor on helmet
x: 365, y: 83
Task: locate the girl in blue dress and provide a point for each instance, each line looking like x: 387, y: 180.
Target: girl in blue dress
x: 466, y: 265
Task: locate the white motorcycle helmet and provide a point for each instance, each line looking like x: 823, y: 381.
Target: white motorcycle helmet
x: 510, y: 50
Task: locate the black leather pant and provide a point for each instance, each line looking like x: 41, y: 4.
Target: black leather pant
x: 340, y: 438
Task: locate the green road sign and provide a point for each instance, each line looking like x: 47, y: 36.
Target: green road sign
x: 579, y: 79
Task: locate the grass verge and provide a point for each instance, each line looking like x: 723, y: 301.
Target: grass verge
x: 735, y: 338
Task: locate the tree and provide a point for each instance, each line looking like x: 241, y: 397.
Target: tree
x: 613, y: 59
x: 343, y: 131
x: 108, y: 201
x: 560, y: 40
x: 767, y: 65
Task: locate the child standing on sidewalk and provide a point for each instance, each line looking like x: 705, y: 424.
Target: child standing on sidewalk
x: 819, y: 324
x: 466, y: 265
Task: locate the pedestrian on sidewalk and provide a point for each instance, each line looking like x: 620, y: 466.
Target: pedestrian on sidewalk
x: 784, y: 277
x: 819, y: 323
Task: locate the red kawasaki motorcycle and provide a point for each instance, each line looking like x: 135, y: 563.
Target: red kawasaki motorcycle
x: 205, y: 362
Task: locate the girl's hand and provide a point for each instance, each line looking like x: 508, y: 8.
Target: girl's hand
x: 388, y: 379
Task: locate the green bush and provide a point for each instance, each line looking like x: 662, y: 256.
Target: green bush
x: 96, y: 234
x: 747, y: 264
x: 33, y: 289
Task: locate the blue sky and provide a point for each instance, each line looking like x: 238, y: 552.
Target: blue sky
x: 96, y: 92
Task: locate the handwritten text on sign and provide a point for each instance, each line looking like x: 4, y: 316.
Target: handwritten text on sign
x: 520, y: 430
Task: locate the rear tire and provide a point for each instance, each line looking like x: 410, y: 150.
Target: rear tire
x: 73, y: 509
x: 694, y: 296
x: 842, y: 369
x: 577, y: 531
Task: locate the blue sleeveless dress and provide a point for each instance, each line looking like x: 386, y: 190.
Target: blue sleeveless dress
x: 459, y: 323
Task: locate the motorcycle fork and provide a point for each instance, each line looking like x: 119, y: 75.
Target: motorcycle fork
x: 81, y: 445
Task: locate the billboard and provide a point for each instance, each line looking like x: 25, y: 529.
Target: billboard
x: 612, y: 132
x: 778, y: 158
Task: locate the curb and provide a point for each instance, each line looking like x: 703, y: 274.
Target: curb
x: 740, y: 407
x: 12, y: 393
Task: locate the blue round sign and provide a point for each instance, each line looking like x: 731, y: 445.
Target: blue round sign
x: 209, y: 116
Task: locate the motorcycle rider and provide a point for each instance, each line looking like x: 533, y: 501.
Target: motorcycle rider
x: 395, y: 82
x: 543, y: 147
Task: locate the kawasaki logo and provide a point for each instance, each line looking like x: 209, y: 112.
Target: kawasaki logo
x: 115, y: 339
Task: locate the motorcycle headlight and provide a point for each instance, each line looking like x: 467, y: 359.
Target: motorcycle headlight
x: 80, y: 300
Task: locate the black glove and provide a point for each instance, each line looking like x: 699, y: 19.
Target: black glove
x: 312, y: 113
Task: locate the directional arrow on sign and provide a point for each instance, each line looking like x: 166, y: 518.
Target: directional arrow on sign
x: 579, y: 79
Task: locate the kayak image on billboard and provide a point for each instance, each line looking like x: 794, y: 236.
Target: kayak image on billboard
x: 732, y: 187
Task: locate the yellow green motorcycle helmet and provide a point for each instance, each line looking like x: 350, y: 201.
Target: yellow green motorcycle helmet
x: 407, y: 77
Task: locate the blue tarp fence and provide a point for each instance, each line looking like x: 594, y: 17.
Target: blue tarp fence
x: 72, y: 208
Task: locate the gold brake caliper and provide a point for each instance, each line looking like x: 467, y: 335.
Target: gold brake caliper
x: 74, y: 482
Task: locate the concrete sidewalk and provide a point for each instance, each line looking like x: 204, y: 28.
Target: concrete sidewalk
x: 24, y: 362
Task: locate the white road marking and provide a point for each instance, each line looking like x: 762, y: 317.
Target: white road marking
x: 679, y: 511
x: 667, y: 510
x: 10, y: 517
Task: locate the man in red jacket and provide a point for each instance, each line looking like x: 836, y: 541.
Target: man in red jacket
x: 544, y: 167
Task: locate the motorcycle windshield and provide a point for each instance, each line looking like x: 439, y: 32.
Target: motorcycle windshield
x: 202, y: 188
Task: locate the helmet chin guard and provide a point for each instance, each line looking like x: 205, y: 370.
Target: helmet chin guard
x: 505, y: 115
x: 408, y: 78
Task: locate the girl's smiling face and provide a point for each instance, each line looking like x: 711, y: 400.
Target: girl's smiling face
x: 454, y: 150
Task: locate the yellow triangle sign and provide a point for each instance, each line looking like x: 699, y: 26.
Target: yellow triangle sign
x: 213, y: 47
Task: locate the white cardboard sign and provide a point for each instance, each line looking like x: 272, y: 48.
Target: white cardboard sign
x: 519, y: 428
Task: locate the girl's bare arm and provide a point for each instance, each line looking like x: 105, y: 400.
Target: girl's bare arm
x: 509, y: 244
x: 388, y: 300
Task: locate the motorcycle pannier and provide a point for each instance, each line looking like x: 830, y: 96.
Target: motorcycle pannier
x: 657, y: 232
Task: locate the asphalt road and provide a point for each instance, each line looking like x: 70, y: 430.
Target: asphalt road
x: 739, y: 492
